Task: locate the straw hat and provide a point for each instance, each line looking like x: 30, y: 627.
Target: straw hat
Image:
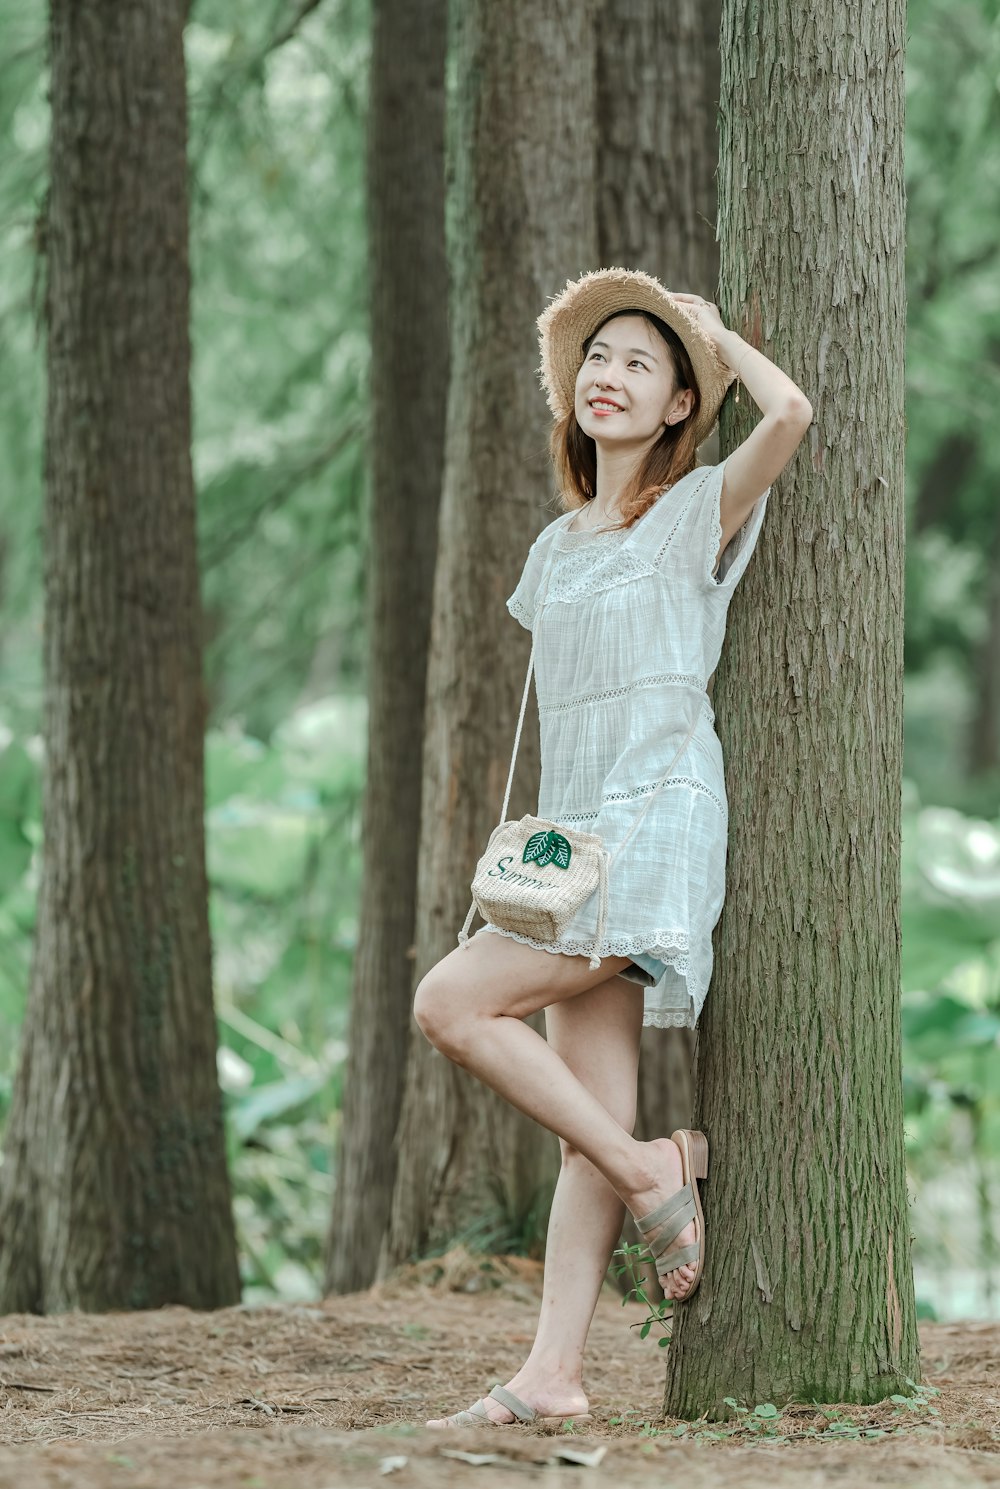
x: 577, y: 311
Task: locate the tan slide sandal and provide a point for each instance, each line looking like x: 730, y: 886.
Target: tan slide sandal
x: 678, y: 1211
x: 478, y: 1416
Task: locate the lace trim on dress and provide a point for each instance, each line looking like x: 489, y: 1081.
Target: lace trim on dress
x: 661, y: 551
x: 692, y: 783
x: 566, y: 531
x: 655, y: 943
x: 669, y: 1018
x: 657, y: 1018
x: 582, y: 572
x: 520, y: 612
x: 657, y: 679
x: 734, y: 548
x: 726, y: 560
x: 678, y: 519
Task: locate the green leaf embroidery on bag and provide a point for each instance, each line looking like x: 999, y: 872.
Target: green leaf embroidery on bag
x: 548, y: 847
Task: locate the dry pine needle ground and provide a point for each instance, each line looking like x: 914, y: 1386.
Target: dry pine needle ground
x: 306, y: 1397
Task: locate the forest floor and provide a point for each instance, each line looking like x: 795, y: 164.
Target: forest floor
x: 311, y: 1396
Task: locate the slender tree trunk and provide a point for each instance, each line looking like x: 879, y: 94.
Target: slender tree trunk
x: 409, y: 385
x: 657, y: 151
x: 952, y: 464
x: 808, y: 1289
x: 523, y: 223
x: 984, y: 729
x: 113, y: 1190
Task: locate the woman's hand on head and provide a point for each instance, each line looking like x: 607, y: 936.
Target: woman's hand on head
x: 704, y: 312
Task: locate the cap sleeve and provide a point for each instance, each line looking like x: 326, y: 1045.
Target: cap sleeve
x: 697, y: 533
x: 521, y: 603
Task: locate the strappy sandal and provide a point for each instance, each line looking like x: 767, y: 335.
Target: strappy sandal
x: 678, y: 1211
x: 478, y: 1416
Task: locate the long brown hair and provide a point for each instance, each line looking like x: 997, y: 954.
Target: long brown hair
x: 574, y: 454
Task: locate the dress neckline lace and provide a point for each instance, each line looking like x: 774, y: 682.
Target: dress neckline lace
x: 593, y: 532
x: 586, y: 532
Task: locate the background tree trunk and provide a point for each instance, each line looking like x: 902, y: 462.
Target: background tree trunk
x: 522, y: 143
x: 657, y: 139
x: 409, y: 385
x: 954, y: 462
x: 113, y: 1191
x: 808, y: 1290
x: 984, y: 726
x: 657, y: 152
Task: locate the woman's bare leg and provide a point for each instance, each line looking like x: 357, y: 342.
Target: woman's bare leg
x: 597, y: 1034
x: 472, y: 1004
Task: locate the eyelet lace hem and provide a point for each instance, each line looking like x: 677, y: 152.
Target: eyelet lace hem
x: 520, y: 612
x: 667, y: 946
x: 670, y: 1018
x: 662, y: 947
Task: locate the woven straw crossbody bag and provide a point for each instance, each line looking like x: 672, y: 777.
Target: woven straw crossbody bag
x: 535, y: 875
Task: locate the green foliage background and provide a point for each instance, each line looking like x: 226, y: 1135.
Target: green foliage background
x: 280, y: 396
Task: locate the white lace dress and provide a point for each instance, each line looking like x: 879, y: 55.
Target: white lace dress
x: 630, y: 631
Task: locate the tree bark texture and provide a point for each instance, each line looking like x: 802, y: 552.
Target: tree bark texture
x: 657, y: 151
x: 113, y: 1190
x: 808, y: 1289
x: 657, y: 140
x: 522, y: 223
x: 409, y: 390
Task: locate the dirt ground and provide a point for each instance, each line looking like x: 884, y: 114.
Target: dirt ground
x: 316, y: 1396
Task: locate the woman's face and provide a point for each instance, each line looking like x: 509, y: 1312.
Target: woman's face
x: 625, y: 387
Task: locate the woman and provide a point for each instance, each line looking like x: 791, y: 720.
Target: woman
x: 627, y: 593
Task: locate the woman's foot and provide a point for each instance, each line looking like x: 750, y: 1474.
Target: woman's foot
x: 664, y: 1177
x: 551, y: 1399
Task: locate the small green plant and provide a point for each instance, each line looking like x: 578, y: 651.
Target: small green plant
x: 919, y: 1401
x: 763, y: 1420
x: 658, y: 1313
x: 618, y: 1421
x: 758, y: 1420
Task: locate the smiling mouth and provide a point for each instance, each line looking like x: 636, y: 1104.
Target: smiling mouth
x: 605, y: 406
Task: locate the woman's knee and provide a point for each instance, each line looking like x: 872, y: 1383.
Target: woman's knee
x: 436, y: 1013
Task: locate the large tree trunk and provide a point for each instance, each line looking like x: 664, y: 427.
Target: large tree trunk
x: 523, y: 223
x: 409, y: 386
x: 657, y: 150
x: 113, y: 1190
x: 808, y: 1289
